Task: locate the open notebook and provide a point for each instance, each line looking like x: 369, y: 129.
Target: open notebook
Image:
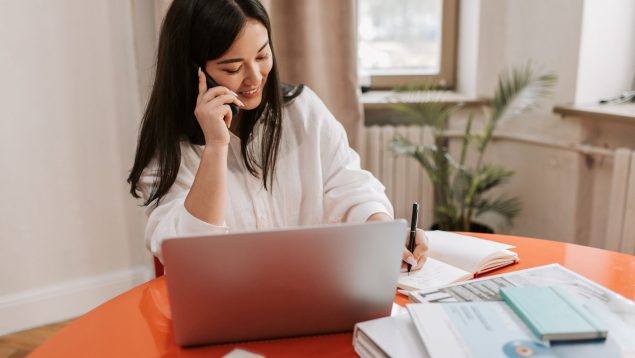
x: 454, y: 258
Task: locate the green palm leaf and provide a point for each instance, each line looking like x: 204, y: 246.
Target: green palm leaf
x: 423, y: 105
x: 432, y: 114
x: 491, y: 176
x: 519, y: 90
x: 507, y: 208
x: 462, y: 190
x: 402, y: 146
x: 461, y: 184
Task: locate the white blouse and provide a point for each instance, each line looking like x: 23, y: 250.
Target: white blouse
x: 317, y: 180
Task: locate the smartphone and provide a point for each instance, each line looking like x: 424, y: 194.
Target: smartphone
x: 211, y: 83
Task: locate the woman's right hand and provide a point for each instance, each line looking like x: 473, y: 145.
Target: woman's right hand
x: 213, y: 113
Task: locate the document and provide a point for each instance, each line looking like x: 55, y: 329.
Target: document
x: 394, y: 336
x: 469, y: 318
x: 491, y: 329
x: 616, y: 312
x: 456, y: 258
x: 473, y: 329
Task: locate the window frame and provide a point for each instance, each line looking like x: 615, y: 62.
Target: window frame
x: 446, y: 77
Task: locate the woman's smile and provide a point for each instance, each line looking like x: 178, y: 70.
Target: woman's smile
x: 250, y: 94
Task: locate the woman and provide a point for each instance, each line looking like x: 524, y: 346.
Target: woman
x: 279, y: 162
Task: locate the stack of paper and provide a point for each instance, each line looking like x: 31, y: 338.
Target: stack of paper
x: 388, y: 337
x: 476, y: 322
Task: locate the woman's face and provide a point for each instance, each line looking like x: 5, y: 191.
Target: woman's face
x: 246, y: 64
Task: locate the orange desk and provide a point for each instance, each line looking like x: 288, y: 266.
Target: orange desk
x: 136, y: 323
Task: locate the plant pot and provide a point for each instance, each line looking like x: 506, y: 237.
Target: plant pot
x: 474, y: 227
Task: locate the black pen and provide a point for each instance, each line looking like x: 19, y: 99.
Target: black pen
x: 413, y: 230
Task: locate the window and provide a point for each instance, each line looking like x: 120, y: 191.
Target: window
x: 406, y: 41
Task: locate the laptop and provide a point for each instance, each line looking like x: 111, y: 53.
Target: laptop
x: 283, y: 283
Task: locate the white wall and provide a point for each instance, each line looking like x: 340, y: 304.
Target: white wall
x: 503, y: 33
x: 481, y: 45
x: 607, y: 51
x: 69, y: 111
x: 590, y: 46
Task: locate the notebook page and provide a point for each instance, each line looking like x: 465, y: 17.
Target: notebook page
x: 497, y: 260
x: 434, y: 273
x: 464, y: 252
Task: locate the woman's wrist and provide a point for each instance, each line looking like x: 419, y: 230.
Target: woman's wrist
x: 215, y: 148
x: 206, y: 199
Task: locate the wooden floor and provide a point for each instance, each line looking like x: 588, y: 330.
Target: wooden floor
x: 20, y: 344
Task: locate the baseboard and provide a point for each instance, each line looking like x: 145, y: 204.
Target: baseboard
x: 66, y: 300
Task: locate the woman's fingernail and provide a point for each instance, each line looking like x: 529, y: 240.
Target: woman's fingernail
x: 199, y: 71
x: 411, y: 260
x: 403, y: 269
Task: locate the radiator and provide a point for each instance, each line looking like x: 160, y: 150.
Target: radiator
x: 620, y: 229
x: 405, y: 180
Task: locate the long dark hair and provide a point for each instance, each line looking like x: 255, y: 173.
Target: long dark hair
x: 194, y: 32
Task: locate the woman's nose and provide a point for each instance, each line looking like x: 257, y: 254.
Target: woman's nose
x: 254, y: 77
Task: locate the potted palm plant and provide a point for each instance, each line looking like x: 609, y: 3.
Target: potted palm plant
x: 462, y: 191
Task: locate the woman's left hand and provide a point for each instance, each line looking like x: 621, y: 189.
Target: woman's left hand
x: 417, y: 258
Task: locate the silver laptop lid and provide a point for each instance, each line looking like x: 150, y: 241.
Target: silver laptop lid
x: 272, y: 284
